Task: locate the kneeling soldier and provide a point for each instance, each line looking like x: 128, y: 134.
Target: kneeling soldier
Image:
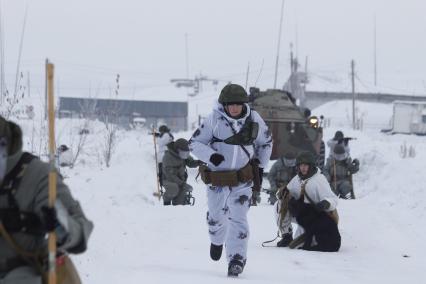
x: 25, y: 215
x: 339, y: 170
x: 175, y: 160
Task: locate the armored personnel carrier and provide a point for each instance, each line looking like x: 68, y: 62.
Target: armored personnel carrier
x: 293, y: 129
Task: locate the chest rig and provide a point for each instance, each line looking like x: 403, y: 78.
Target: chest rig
x: 13, y: 218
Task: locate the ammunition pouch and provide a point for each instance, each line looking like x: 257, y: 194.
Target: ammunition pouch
x: 245, y: 136
x: 226, y: 178
x: 15, y: 220
x: 9, y: 264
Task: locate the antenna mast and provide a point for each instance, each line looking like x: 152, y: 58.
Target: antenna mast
x: 278, y: 46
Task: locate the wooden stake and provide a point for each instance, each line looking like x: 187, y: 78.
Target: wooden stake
x: 52, y: 172
x: 158, y: 192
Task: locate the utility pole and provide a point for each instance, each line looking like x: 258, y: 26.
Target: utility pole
x: 186, y: 56
x: 247, y: 74
x: 375, y: 52
x: 278, y: 45
x: 45, y: 94
x: 28, y: 84
x: 2, y: 75
x: 291, y: 58
x: 353, y: 92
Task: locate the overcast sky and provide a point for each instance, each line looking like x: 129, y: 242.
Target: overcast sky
x: 92, y: 40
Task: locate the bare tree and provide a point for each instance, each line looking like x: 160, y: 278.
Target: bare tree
x: 111, y: 120
x: 12, y: 100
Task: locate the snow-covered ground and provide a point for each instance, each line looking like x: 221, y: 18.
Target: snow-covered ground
x: 137, y: 240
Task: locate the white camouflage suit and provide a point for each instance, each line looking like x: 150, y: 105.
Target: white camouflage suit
x: 228, y: 206
x: 162, y: 141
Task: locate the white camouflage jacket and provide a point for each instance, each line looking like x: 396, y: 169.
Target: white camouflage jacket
x: 162, y: 142
x: 218, y: 124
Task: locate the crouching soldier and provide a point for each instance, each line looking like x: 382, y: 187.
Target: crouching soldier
x: 313, y: 206
x: 175, y: 160
x: 235, y: 144
x: 283, y: 170
x: 65, y: 156
x: 339, y: 170
x: 338, y: 139
x: 25, y: 216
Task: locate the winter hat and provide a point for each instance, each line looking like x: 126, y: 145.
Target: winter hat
x: 182, y: 145
x: 13, y: 135
x: 339, y: 149
x: 290, y: 155
x: 163, y: 128
x: 338, y: 135
x: 233, y: 93
x: 289, y: 159
x: 339, y: 152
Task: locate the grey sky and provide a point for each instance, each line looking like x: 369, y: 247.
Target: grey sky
x: 91, y: 40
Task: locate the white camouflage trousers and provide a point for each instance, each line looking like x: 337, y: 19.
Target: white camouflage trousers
x: 227, y: 219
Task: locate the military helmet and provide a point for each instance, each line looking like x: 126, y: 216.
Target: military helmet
x: 182, y: 144
x: 306, y: 157
x: 339, y: 149
x: 163, y: 128
x: 338, y: 135
x: 12, y: 135
x: 233, y: 93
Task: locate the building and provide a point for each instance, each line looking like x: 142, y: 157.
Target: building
x: 126, y: 112
x: 409, y: 117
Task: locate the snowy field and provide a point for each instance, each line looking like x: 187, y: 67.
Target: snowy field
x: 137, y: 240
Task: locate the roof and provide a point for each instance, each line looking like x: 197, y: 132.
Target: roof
x: 126, y: 107
x: 410, y: 102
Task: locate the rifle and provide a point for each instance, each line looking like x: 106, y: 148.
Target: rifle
x: 345, y: 140
x: 157, y: 193
x: 256, y: 181
x: 352, y: 187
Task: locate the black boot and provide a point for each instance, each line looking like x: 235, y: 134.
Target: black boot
x: 285, y: 241
x: 167, y: 202
x: 235, y: 267
x: 215, y: 252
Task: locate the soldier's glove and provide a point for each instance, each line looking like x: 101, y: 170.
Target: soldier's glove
x: 355, y: 162
x: 216, y: 159
x: 323, y: 205
x: 50, y: 218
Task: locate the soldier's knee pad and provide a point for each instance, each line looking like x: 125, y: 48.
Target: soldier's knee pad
x: 345, y: 188
x: 187, y: 188
x: 171, y: 190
